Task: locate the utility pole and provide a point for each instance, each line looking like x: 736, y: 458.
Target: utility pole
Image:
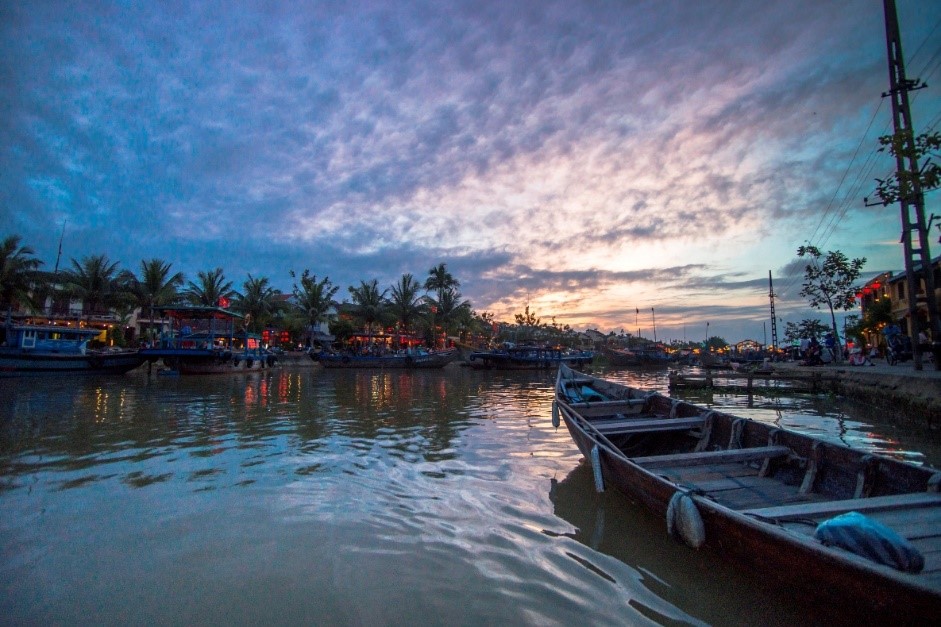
x: 774, y: 320
x: 914, y: 227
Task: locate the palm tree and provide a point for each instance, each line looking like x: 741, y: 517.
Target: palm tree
x: 451, y: 309
x: 155, y: 286
x: 257, y: 302
x: 96, y: 282
x: 369, y: 302
x: 17, y: 267
x: 405, y: 302
x: 314, y: 298
x: 211, y: 288
x: 439, y: 279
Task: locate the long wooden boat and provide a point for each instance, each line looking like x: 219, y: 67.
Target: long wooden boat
x: 528, y: 358
x: 842, y: 526
x: 31, y: 349
x: 204, y: 340
x: 636, y: 357
x: 412, y: 359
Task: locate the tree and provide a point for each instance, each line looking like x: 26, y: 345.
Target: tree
x: 829, y: 280
x: 903, y: 184
x: 210, y: 289
x: 155, y: 286
x: 314, y: 298
x: 527, y: 320
x: 405, y: 302
x: 369, y: 303
x: 258, y: 302
x: 439, y: 279
x: 96, y: 282
x: 18, y: 264
x: 716, y: 343
x: 451, y: 309
x: 805, y: 329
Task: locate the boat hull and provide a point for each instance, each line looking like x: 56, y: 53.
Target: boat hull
x: 526, y: 360
x: 197, y: 361
x: 857, y: 588
x: 19, y: 363
x: 398, y: 362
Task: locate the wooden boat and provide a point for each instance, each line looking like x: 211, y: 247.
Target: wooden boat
x: 636, y: 357
x: 528, y: 358
x: 411, y: 359
x: 204, y: 340
x: 776, y: 501
x: 29, y: 349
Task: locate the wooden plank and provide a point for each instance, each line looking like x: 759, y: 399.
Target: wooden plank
x: 825, y: 509
x: 924, y: 523
x: 600, y: 411
x: 711, y: 472
x: 712, y: 457
x: 639, y: 425
x: 626, y: 402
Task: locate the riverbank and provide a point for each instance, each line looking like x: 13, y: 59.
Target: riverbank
x: 915, y: 394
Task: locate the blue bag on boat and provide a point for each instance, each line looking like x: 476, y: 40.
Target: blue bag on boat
x: 870, y: 539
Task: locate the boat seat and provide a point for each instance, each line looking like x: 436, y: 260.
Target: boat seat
x: 712, y: 457
x: 826, y: 509
x: 640, y: 425
x: 614, y: 409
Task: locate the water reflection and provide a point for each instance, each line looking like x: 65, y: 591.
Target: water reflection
x: 341, y: 497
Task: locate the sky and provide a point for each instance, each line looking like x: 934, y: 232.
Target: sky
x: 617, y: 165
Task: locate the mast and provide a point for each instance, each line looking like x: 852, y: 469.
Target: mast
x: 774, y: 320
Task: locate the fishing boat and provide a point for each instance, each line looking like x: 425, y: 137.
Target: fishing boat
x: 205, y: 340
x: 412, y: 358
x: 650, y: 356
x: 35, y: 349
x: 856, y: 530
x: 528, y: 358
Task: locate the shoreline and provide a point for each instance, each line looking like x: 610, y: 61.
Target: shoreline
x: 900, y: 388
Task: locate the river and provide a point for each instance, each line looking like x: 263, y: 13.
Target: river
x: 310, y: 496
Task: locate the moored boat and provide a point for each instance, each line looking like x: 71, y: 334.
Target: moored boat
x: 636, y: 357
x: 204, y: 340
x: 844, y: 527
x: 414, y: 358
x: 36, y: 349
x: 528, y: 358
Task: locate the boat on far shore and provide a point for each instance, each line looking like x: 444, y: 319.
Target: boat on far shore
x: 412, y: 358
x: 512, y: 357
x: 204, y: 340
x: 45, y: 349
x: 647, y: 356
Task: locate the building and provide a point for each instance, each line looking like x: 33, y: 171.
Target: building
x: 894, y: 286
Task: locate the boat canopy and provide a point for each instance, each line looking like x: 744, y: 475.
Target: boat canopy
x: 197, y: 312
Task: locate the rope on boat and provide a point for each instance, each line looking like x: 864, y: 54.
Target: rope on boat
x: 706, y: 433
x: 934, y: 482
x: 555, y: 414
x: 735, y: 441
x: 596, y: 468
x: 684, y: 521
x: 674, y: 405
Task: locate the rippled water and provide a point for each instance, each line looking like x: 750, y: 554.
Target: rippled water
x: 332, y: 497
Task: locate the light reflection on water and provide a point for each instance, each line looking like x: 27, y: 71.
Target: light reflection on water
x: 337, y: 497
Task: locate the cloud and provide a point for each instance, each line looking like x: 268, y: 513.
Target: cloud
x: 545, y: 149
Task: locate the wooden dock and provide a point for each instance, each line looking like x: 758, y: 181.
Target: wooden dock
x: 810, y: 382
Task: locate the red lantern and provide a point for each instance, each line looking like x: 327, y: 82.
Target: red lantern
x: 265, y: 336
